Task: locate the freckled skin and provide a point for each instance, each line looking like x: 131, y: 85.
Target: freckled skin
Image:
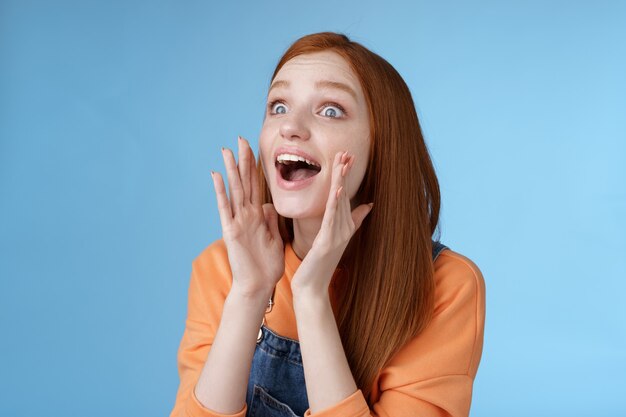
x: 306, y: 123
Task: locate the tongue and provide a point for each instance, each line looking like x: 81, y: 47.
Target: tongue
x: 301, y: 174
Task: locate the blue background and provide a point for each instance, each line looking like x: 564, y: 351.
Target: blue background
x: 112, y: 115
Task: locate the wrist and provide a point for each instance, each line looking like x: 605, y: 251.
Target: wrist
x: 312, y: 278
x: 257, y: 297
x: 309, y: 307
x: 309, y: 294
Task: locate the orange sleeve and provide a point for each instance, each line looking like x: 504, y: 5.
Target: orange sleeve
x: 209, y: 285
x: 433, y: 374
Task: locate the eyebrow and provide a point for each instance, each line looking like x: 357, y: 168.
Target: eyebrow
x: 319, y: 84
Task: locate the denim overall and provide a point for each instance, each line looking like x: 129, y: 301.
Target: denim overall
x: 276, y: 386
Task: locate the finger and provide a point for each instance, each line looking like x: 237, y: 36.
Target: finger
x: 230, y: 189
x: 345, y: 157
x: 223, y: 205
x: 344, y: 201
x: 331, y: 204
x: 349, y: 163
x: 254, y: 180
x: 244, y: 168
x: 271, y: 219
x: 359, y: 214
x: 342, y: 215
x: 234, y: 182
x: 337, y: 178
x: 345, y: 209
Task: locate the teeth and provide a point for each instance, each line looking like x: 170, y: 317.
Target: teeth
x: 290, y: 157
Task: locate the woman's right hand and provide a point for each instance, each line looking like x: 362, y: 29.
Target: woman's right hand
x: 250, y: 231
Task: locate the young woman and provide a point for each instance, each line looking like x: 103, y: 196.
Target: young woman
x: 326, y: 295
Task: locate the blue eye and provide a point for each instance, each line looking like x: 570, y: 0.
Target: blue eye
x: 275, y: 105
x: 271, y: 106
x: 333, y: 107
x: 332, y: 113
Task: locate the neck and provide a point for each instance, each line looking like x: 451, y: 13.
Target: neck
x: 304, y: 233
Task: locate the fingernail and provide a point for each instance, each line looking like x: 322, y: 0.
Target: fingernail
x: 371, y: 205
x: 339, y: 191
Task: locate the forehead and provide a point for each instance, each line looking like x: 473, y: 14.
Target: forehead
x: 323, y: 61
x: 315, y: 67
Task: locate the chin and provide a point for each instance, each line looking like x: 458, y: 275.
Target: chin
x: 298, y: 209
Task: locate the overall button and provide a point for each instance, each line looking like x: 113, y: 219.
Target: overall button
x: 260, y: 335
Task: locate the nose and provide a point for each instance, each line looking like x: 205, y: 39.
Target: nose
x: 294, y: 125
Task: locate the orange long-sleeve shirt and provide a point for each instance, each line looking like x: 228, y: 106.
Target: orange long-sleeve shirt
x: 432, y: 375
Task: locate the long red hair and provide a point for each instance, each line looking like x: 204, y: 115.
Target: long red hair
x: 385, y: 295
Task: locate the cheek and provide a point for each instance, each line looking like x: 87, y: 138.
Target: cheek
x: 357, y: 174
x: 356, y: 177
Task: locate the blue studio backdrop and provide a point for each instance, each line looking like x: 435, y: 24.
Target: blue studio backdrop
x: 112, y: 115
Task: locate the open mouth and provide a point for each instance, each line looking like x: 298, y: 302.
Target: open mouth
x: 296, y: 170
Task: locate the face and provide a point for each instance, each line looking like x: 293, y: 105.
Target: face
x: 309, y: 114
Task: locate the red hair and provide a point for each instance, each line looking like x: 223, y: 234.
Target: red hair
x: 385, y: 295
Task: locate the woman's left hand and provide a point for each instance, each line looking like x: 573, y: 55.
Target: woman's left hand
x: 339, y: 224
